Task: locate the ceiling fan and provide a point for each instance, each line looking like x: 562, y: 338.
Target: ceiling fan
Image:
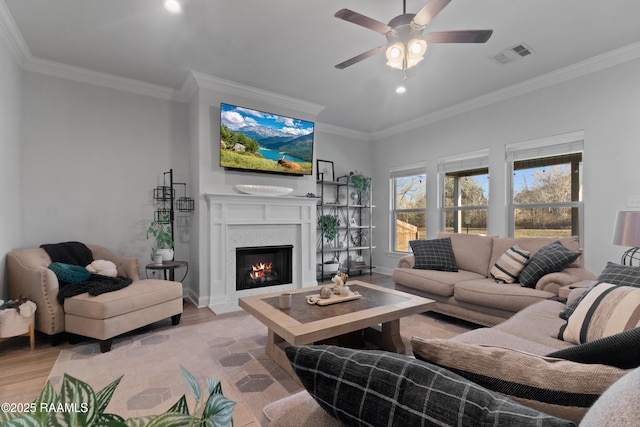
x: 406, y: 43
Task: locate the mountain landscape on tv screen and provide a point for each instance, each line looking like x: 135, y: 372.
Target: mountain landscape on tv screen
x: 258, y: 141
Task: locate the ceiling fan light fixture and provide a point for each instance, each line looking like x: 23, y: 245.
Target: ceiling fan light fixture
x: 173, y: 6
x: 415, y: 52
x: 395, y: 55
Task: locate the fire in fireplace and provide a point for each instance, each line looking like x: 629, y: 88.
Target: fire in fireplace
x: 261, y: 266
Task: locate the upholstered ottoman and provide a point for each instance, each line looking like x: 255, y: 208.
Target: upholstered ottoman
x: 113, y: 313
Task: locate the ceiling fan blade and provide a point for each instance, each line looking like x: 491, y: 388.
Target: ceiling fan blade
x: 462, y: 36
x: 360, y: 57
x: 429, y: 11
x: 364, y: 21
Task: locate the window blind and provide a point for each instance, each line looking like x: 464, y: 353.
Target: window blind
x: 546, y: 147
x: 468, y: 161
x: 409, y: 170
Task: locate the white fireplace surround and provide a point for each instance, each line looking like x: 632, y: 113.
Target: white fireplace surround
x: 239, y: 220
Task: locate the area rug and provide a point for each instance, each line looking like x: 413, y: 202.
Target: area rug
x: 229, y: 348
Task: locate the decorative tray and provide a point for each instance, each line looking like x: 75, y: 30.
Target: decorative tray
x: 333, y: 299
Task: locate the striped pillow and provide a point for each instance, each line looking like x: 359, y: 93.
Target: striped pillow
x: 557, y: 387
x: 510, y: 264
x: 603, y: 311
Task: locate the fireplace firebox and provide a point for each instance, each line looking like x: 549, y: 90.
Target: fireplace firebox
x: 261, y: 266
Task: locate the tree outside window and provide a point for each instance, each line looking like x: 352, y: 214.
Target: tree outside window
x: 547, y: 196
x: 466, y: 200
x: 409, y: 193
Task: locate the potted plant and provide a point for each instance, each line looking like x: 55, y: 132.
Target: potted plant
x: 88, y: 406
x: 329, y: 225
x: 161, y: 232
x: 359, y: 181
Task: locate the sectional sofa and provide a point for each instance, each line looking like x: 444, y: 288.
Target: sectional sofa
x: 470, y: 293
x: 516, y: 373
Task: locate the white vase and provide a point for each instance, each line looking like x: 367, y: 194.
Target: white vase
x: 167, y: 254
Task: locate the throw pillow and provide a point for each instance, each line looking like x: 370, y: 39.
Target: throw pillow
x: 69, y: 273
x: 622, y: 275
x: 510, y: 264
x: 594, y: 317
x: 379, y: 388
x: 435, y: 254
x: 616, y: 274
x: 103, y: 267
x: 621, y: 350
x: 549, y: 259
x: 554, y: 386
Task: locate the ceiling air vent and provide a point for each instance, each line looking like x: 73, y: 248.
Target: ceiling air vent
x: 513, y: 53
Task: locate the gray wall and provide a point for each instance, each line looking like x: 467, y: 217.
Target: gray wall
x: 604, y: 104
x: 10, y: 199
x: 90, y: 159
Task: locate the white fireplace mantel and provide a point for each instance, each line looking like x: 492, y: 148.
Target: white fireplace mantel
x: 237, y: 220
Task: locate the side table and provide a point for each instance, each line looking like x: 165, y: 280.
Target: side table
x: 13, y: 324
x: 168, y: 267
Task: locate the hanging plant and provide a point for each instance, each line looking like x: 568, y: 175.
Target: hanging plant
x: 359, y: 181
x: 329, y: 225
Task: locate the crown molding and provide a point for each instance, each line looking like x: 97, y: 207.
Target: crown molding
x: 57, y: 69
x: 205, y: 81
x: 10, y: 33
x: 588, y: 66
x: 343, y: 132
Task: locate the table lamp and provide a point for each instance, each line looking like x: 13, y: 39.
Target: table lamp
x: 627, y: 233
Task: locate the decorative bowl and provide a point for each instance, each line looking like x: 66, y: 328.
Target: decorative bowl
x: 263, y: 190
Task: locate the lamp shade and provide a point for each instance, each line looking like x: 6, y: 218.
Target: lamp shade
x: 627, y: 231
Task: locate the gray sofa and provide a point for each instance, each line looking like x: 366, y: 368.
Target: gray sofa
x: 471, y: 294
x: 513, y: 348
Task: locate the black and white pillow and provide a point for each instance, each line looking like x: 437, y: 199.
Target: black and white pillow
x: 549, y: 259
x: 603, y: 311
x: 435, y: 254
x: 621, y: 275
x: 510, y: 264
x: 379, y: 388
x: 615, y: 274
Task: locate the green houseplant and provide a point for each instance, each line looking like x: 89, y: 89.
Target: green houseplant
x: 359, y: 181
x: 161, y: 233
x: 329, y: 225
x: 78, y: 405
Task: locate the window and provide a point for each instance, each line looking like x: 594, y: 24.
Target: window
x: 408, y: 207
x: 464, y: 189
x: 546, y: 187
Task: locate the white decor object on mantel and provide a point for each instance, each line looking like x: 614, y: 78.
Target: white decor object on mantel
x: 263, y: 190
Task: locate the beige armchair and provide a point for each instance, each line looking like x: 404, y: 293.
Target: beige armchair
x: 102, y: 317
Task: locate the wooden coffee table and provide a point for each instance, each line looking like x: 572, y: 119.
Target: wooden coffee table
x: 308, y: 324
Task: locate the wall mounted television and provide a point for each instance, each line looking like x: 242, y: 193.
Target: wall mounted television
x: 256, y: 141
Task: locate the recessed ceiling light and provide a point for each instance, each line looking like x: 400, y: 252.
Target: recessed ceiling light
x: 401, y: 89
x: 173, y: 6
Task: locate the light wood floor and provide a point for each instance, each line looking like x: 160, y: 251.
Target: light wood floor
x: 23, y: 373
